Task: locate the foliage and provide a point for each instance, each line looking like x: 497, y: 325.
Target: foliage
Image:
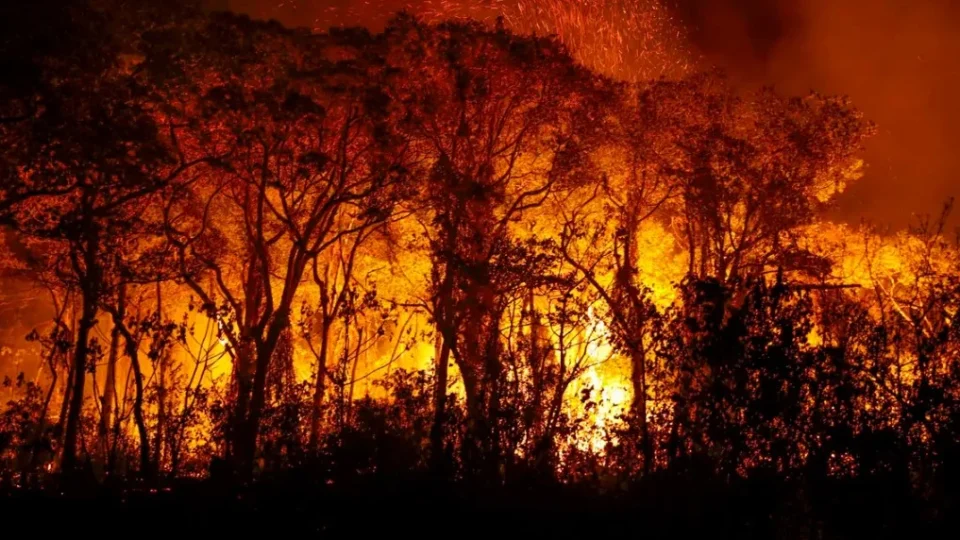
x: 425, y: 253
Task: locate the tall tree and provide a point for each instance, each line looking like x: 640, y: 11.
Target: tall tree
x: 497, y: 118
x: 311, y: 158
x: 756, y: 168
x: 601, y: 230
x: 89, y: 157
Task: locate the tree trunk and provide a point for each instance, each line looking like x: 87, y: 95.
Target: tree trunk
x: 639, y: 405
x: 243, y: 376
x: 65, y: 402
x: 161, y: 387
x: 42, y: 419
x: 353, y: 370
x: 132, y: 350
x: 632, y: 307
x: 79, y: 374
x: 68, y: 378
x: 247, y: 444
x: 90, y: 284
x: 440, y: 408
x: 534, y: 418
x: 110, y: 384
x: 158, y: 446
x: 146, y: 467
x: 344, y: 361
x: 320, y: 385
x: 493, y: 367
x: 247, y: 447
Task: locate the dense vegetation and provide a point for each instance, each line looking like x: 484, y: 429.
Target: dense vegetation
x: 398, y: 271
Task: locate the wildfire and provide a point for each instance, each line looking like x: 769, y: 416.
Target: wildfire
x: 601, y: 393
x: 461, y: 227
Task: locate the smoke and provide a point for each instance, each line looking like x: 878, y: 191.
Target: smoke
x: 895, y: 59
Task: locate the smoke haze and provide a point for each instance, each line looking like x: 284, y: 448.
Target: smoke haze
x: 897, y: 60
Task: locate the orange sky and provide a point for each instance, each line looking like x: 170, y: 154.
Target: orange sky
x: 897, y: 59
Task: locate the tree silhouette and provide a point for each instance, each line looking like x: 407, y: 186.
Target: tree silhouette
x: 305, y: 158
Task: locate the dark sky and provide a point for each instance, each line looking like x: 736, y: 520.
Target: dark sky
x: 897, y: 59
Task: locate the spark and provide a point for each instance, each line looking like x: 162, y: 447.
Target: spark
x: 631, y: 40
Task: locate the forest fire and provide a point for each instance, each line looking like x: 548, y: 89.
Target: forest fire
x: 499, y: 246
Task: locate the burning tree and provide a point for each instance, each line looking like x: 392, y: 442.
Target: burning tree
x: 301, y: 137
x: 90, y: 155
x: 754, y: 170
x: 586, y: 280
x: 498, y: 120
